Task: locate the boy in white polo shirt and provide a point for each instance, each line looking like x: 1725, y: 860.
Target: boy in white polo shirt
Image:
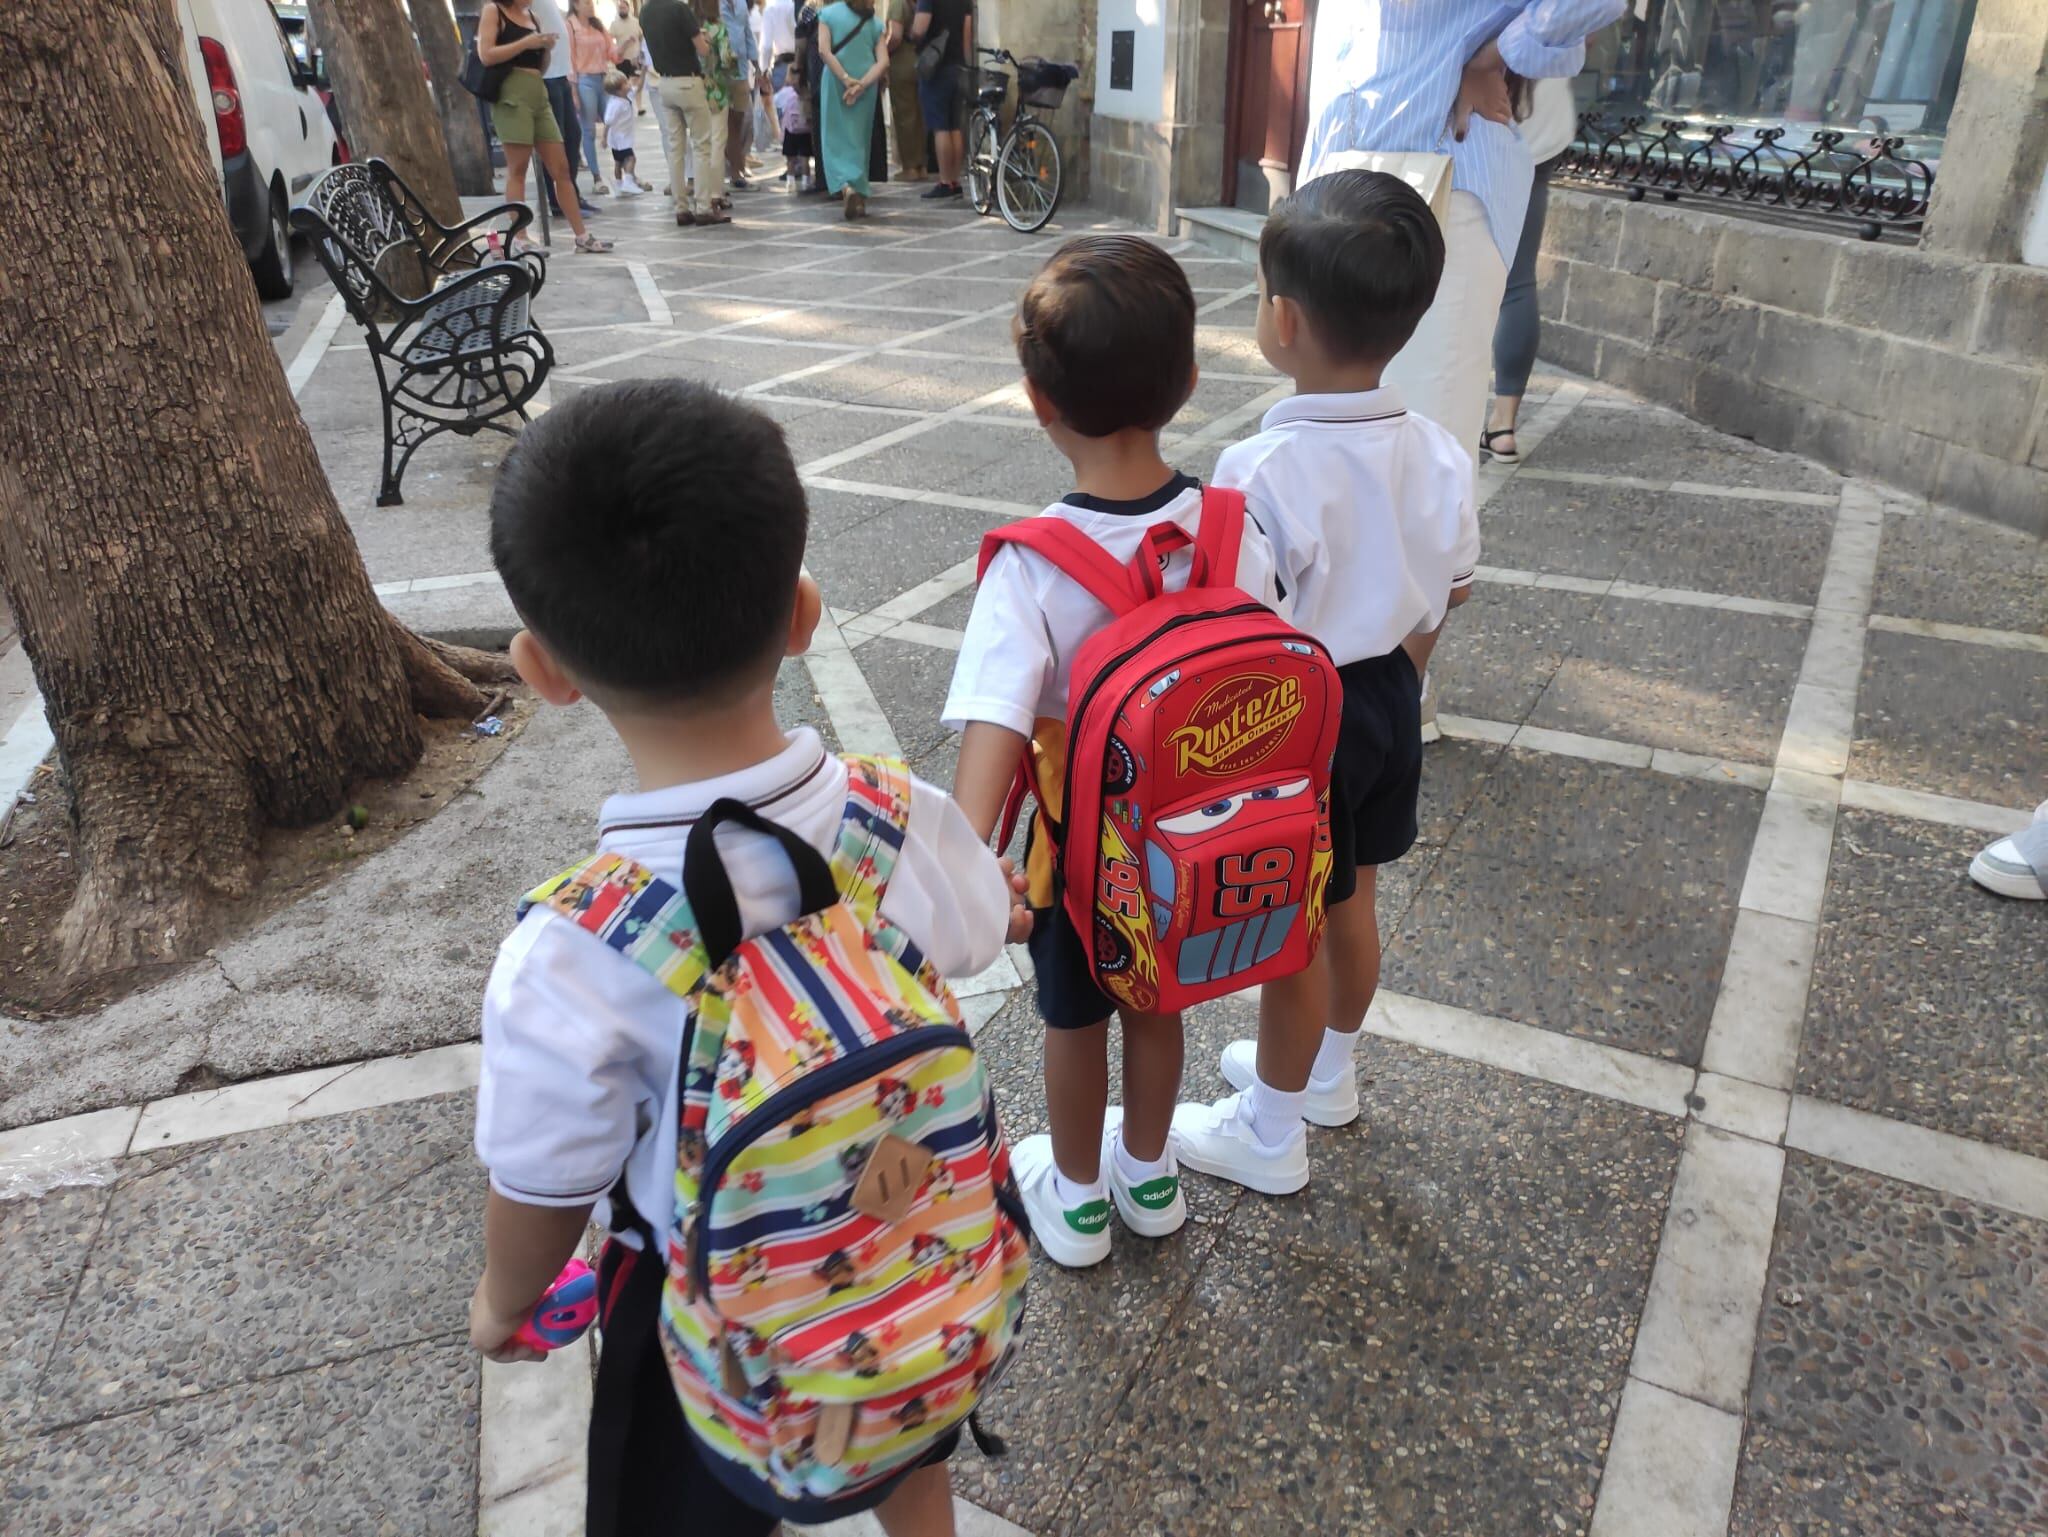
x: 1370, y: 514
x: 651, y: 536
x: 1106, y: 336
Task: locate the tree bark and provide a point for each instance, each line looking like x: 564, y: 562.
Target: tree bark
x: 441, y: 46
x: 210, y: 652
x: 385, y: 103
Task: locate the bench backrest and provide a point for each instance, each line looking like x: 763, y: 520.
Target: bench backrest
x: 360, y: 235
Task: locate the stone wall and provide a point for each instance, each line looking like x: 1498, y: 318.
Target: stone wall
x: 1062, y: 30
x: 1142, y: 170
x: 1925, y: 371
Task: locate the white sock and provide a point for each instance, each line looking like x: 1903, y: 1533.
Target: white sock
x: 1276, y: 1117
x: 1136, y: 1170
x: 1072, y: 1193
x: 1333, y: 1057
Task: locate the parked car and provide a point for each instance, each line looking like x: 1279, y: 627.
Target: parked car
x: 298, y: 32
x: 271, y: 130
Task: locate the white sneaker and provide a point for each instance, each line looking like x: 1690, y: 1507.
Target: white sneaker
x: 630, y: 188
x: 2017, y: 866
x: 1331, y: 1102
x: 1075, y: 1237
x: 1218, y: 1139
x: 1154, y: 1209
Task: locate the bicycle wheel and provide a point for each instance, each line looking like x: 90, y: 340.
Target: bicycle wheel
x: 978, y: 171
x: 1028, y: 178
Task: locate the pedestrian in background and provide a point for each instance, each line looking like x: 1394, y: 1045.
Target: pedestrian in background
x: 618, y: 132
x: 721, y: 89
x: 850, y: 41
x: 905, y: 115
x: 562, y: 98
x: 946, y: 27
x: 739, y: 120
x: 632, y: 50
x: 591, y: 56
x: 778, y: 31
x: 679, y: 50
x: 508, y: 32
x: 1546, y: 128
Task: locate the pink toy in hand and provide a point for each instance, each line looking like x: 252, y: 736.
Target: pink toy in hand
x: 564, y: 1311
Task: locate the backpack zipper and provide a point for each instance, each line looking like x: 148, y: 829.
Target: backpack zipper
x: 772, y: 1112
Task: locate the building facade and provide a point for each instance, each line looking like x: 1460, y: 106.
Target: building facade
x: 1821, y: 224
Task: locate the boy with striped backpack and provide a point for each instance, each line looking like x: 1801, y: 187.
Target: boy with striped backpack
x: 727, y: 1031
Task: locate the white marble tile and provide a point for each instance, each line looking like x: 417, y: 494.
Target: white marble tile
x: 1758, y: 1013
x: 79, y: 1149
x: 1670, y: 1467
x: 1747, y: 1109
x: 533, y: 1470
x: 1968, y: 634
x: 1949, y: 810
x: 1976, y: 1171
x: 1573, y: 744
x: 1698, y: 1329
x: 1788, y: 864
x: 1805, y: 785
x: 1471, y: 728
x: 1565, y: 1060
x: 1818, y: 729
x: 320, y: 1091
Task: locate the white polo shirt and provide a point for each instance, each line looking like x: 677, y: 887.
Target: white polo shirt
x: 1029, y: 619
x: 1370, y: 514
x: 581, y: 1046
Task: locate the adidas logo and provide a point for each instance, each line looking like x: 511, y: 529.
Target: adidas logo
x: 1156, y: 1194
x: 1091, y: 1218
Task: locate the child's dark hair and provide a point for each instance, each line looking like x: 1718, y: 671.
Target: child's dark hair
x: 1106, y: 332
x: 1361, y: 253
x: 651, y: 533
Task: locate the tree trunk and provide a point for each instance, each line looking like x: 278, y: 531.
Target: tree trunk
x: 441, y: 46
x: 210, y: 652
x: 385, y: 104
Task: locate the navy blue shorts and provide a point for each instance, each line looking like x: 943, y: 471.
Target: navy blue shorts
x: 939, y: 99
x: 1376, y: 780
x: 1068, y: 998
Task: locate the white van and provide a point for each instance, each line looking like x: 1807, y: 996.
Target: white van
x: 271, y: 130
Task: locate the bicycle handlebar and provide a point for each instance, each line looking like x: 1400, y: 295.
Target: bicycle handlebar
x: 1000, y: 55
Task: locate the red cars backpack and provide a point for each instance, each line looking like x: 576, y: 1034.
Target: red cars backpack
x: 1194, y: 839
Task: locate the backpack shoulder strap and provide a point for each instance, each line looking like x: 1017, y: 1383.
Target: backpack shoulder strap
x: 871, y: 831
x: 635, y: 911
x: 1074, y: 554
x: 1219, y: 537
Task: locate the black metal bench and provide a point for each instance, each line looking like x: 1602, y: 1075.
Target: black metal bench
x: 447, y: 311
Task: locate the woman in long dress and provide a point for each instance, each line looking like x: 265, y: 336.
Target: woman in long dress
x: 857, y: 60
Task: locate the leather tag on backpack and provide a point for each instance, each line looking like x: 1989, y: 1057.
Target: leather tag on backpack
x: 895, y: 1172
x: 834, y: 1433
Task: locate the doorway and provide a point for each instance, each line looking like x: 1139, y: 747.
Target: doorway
x: 1268, y: 118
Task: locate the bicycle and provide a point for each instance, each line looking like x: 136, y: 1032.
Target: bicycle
x: 1019, y: 173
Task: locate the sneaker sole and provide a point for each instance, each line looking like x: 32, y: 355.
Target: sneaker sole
x: 2023, y: 888
x: 1264, y: 1184
x: 1076, y: 1256
x: 1318, y: 1115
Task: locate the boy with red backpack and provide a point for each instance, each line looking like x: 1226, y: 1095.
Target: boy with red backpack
x: 1123, y: 663
x: 727, y: 1032
x: 1370, y: 514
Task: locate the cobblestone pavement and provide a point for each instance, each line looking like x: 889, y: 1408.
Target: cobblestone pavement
x: 1703, y: 1180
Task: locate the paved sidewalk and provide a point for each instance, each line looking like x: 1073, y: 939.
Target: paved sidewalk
x: 1702, y: 1185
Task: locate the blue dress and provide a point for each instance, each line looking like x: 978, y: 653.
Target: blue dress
x: 847, y: 131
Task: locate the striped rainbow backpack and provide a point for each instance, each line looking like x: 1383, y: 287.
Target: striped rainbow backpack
x: 848, y: 1267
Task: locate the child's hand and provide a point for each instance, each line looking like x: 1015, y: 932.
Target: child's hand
x: 490, y: 1333
x: 1020, y: 913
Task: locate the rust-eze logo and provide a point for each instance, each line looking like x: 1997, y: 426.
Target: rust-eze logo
x: 1237, y: 725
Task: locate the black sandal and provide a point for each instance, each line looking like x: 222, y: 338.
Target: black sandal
x: 1487, y: 450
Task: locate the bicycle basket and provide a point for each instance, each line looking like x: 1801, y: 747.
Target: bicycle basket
x: 1041, y: 83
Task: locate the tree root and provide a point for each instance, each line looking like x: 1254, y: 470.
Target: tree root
x: 444, y: 679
